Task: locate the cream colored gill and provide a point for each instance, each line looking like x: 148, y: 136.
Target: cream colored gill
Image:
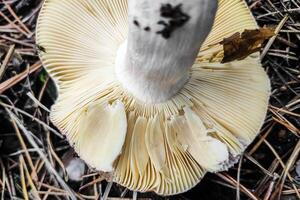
x: 221, y: 107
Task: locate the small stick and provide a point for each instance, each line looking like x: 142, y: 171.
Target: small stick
x: 16, y: 79
x: 7, y: 59
x: 14, y: 25
x: 17, y: 18
x: 50, y: 168
x: 23, y: 182
x: 30, y: 182
x: 17, y: 41
x: 107, y: 190
x: 271, y: 41
x: 23, y: 145
x: 238, y: 189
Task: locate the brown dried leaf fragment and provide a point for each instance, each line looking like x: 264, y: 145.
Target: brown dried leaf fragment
x: 239, y: 46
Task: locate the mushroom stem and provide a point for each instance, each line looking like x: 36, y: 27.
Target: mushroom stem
x: 164, y: 39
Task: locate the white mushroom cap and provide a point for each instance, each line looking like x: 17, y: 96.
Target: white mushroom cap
x: 167, y: 145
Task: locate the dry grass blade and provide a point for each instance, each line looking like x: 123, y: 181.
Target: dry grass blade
x: 234, y: 183
x: 16, y: 79
x: 23, y: 181
x: 6, y: 60
x: 41, y: 154
x: 17, y: 18
x: 293, y: 158
x: 271, y: 41
x: 28, y: 157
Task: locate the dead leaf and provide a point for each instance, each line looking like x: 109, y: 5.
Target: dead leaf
x: 239, y: 46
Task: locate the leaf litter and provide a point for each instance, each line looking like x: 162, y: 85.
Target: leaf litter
x: 32, y: 151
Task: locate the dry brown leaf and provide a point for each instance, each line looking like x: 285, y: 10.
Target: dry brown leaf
x: 239, y: 46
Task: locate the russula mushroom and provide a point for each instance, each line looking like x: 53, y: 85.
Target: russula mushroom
x: 142, y: 92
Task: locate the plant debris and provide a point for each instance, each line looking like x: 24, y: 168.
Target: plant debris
x: 269, y: 169
x: 241, y: 45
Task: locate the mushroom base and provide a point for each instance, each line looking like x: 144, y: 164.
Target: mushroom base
x: 148, y: 85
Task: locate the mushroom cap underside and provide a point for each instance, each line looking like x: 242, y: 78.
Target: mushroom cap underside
x: 167, y: 147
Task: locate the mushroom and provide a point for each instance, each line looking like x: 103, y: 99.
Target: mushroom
x: 142, y: 92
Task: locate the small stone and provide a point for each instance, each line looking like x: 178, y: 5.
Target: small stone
x: 75, y: 169
x: 74, y: 166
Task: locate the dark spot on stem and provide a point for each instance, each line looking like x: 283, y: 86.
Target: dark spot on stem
x: 136, y: 23
x: 177, y: 18
x: 147, y: 29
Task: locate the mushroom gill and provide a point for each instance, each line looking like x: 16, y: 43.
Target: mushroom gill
x: 147, y: 104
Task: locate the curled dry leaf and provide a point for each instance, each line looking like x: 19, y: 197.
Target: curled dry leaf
x: 239, y: 46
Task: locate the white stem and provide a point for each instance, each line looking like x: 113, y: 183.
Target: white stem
x: 164, y: 39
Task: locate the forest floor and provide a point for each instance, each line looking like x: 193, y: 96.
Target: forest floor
x: 33, y: 152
